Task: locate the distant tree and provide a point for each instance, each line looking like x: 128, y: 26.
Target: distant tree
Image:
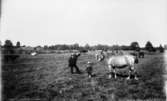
x: 123, y: 47
x: 135, y: 46
x: 9, y: 52
x: 18, y: 44
x: 60, y: 47
x: 87, y: 47
x: 38, y: 46
x: 76, y: 46
x: 46, y: 47
x: 101, y: 47
x: 8, y: 43
x: 8, y: 47
x: 161, y: 49
x: 116, y: 47
x: 149, y: 47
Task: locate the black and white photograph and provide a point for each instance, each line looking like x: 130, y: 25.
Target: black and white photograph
x: 83, y: 50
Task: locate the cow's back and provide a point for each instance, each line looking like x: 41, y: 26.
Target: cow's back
x: 117, y: 61
x: 130, y: 59
x: 121, y: 60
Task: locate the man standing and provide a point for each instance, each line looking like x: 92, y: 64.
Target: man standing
x: 72, y: 63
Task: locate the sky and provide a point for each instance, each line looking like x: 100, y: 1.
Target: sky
x: 110, y: 22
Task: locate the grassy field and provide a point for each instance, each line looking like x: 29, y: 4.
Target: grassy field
x: 46, y: 77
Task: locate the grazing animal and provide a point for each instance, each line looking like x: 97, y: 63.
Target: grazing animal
x: 33, y: 53
x: 100, y: 56
x: 122, y: 61
x: 141, y: 54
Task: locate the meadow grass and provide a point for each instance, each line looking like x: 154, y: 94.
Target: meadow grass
x: 47, y: 77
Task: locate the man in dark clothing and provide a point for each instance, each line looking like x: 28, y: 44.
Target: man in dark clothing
x: 73, y: 61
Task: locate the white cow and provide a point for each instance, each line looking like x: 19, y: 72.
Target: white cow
x: 122, y: 61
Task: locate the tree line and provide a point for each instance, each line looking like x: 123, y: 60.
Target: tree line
x: 9, y: 47
x: 10, y: 50
x: 133, y: 46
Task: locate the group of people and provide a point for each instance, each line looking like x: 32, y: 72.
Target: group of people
x: 72, y: 63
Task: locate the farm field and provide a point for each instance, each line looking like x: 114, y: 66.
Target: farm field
x: 47, y: 77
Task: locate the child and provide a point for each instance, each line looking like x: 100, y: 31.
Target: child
x: 89, y: 69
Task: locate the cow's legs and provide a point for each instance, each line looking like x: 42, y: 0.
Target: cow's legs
x: 115, y: 75
x: 130, y: 70
x: 133, y: 70
x: 128, y: 75
x: 110, y: 72
x: 136, y: 78
x: 135, y: 74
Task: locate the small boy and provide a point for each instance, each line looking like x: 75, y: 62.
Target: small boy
x: 89, y: 69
